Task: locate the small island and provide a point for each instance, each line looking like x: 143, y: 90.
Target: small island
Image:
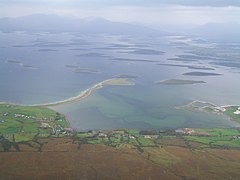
x: 28, y: 66
x: 133, y: 60
x: 126, y: 76
x: 21, y: 64
x: 71, y: 66
x: 86, y: 71
x: 92, y: 54
x: 196, y: 73
x: 47, y: 50
x: 77, y: 69
x: 147, y: 52
x: 14, y: 61
x: 179, y: 82
x: 187, y: 66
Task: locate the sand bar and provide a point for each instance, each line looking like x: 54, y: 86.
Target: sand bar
x: 84, y: 94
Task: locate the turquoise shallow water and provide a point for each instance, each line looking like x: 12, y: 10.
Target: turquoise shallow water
x: 146, y: 105
x: 112, y: 108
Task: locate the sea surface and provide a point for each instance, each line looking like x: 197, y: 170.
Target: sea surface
x: 40, y: 68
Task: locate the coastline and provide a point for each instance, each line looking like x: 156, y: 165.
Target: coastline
x: 86, y: 93
x: 208, y: 107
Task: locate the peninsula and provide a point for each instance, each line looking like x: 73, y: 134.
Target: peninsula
x: 89, y: 91
x: 231, y: 111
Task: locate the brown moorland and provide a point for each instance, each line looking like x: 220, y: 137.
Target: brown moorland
x: 62, y: 159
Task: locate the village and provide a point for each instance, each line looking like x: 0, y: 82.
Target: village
x: 26, y: 124
x: 220, y: 138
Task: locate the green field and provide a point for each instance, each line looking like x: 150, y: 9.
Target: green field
x: 132, y: 132
x: 217, y: 137
x: 145, y: 142
x: 220, y: 132
x: 25, y: 122
x: 230, y: 112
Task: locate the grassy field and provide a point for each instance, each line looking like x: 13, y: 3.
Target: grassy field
x: 230, y: 112
x: 132, y: 132
x: 26, y: 122
x: 226, y: 138
x: 145, y: 142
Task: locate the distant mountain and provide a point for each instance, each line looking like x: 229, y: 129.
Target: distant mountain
x: 54, y: 23
x: 220, y: 32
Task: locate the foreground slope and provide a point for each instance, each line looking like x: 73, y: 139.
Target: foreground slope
x: 63, y: 159
x: 35, y: 143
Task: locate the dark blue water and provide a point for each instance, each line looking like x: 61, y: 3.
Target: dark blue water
x: 42, y: 68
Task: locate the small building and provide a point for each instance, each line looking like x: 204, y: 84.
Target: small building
x: 102, y: 135
x: 179, y: 131
x: 69, y: 129
x: 45, y: 125
x: 118, y: 131
x: 150, y: 136
x: 131, y: 137
x: 147, y: 136
x: 236, y: 137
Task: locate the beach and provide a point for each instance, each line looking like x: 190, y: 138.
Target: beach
x: 89, y: 91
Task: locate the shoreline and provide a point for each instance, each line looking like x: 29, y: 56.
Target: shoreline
x: 216, y: 109
x: 82, y: 95
x: 86, y: 93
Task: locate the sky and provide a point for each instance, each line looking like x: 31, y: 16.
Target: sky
x: 153, y: 12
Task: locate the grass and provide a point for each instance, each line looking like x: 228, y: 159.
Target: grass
x: 160, y: 156
x: 220, y: 132
x: 62, y: 122
x: 230, y: 112
x: 132, y: 132
x: 133, y: 141
x: 115, y: 140
x: 232, y: 143
x: 10, y: 129
x: 25, y: 121
x: 98, y: 141
x: 207, y: 140
x: 168, y: 137
x: 30, y: 128
x: 204, y: 140
x: 227, y: 141
x: 83, y: 135
x: 145, y: 142
x: 44, y: 132
x: 38, y: 112
x: 23, y: 137
x: 221, y: 137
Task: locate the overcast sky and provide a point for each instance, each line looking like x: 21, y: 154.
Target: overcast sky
x: 143, y: 11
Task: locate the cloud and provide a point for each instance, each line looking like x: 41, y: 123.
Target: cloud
x: 129, y: 11
x: 159, y: 15
x: 213, y: 3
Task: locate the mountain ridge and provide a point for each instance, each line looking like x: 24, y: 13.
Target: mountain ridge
x: 55, y: 23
